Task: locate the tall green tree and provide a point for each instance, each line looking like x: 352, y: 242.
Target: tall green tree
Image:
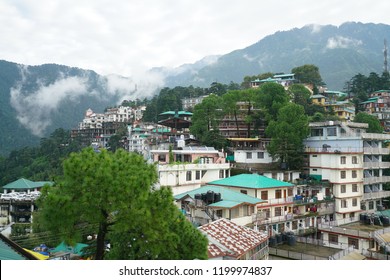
x: 374, y: 125
x: 206, y: 116
x: 271, y: 98
x: 109, y: 194
x: 308, y: 74
x: 287, y: 134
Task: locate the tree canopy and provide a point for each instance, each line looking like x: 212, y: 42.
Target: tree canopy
x: 374, y: 125
x: 287, y: 133
x: 111, y: 195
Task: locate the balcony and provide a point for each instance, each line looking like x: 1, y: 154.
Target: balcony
x: 376, y: 195
x: 376, y: 165
x: 277, y: 201
x: 376, y: 180
x: 376, y: 151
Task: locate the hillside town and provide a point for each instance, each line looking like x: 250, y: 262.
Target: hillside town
x: 249, y: 203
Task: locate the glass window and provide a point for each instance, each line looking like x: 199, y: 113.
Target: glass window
x: 354, y: 202
x: 189, y: 176
x: 342, y: 174
x: 264, y: 195
x: 354, y: 160
x: 332, y: 131
x: 344, y: 203
x: 333, y: 238
x: 260, y: 154
x: 354, y: 174
x: 278, y: 211
x: 343, y: 160
x: 197, y: 175
x: 343, y: 189
x: 248, y: 155
x: 355, y: 188
x: 278, y: 194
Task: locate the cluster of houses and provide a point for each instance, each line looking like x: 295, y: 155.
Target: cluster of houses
x: 337, y: 200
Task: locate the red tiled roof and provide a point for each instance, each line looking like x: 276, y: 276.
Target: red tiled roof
x: 231, y: 239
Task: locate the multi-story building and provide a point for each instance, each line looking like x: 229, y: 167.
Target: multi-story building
x: 282, y: 79
x: 250, y: 150
x: 350, y: 159
x: 18, y: 201
x: 189, y: 103
x: 190, y: 167
x: 379, y: 105
x: 231, y: 126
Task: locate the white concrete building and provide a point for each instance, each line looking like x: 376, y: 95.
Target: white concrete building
x: 351, y: 161
x: 191, y: 167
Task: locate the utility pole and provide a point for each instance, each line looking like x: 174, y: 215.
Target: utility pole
x: 385, y: 68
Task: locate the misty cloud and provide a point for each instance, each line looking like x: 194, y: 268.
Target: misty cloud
x: 340, y: 42
x: 35, y: 108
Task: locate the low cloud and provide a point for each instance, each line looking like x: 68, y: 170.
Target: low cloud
x: 35, y: 108
x: 340, y: 42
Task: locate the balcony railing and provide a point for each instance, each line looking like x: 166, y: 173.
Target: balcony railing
x: 377, y: 164
x: 376, y: 195
x: 376, y: 151
x: 334, y: 150
x: 376, y: 180
x: 278, y: 201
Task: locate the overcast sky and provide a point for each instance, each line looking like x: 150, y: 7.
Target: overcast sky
x: 126, y: 37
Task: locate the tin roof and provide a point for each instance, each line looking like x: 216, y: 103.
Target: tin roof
x: 231, y: 239
x: 250, y: 181
x: 23, y: 184
x: 229, y: 198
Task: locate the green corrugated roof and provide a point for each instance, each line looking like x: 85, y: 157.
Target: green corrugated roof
x: 371, y: 100
x: 225, y: 204
x: 174, y: 113
x: 228, y: 197
x: 8, y: 253
x: 23, y: 184
x: 251, y: 181
x: 9, y: 250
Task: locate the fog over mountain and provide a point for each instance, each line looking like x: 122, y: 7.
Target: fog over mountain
x: 35, y: 100
x: 340, y: 52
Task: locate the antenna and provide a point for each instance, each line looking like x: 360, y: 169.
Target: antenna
x: 385, y: 69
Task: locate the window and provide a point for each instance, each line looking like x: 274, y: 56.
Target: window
x: 342, y: 174
x: 244, y: 191
x: 248, y: 155
x: 221, y: 173
x: 197, y: 175
x: 317, y: 132
x: 371, y: 205
x: 355, y: 188
x: 290, y: 192
x: 332, y: 131
x: 343, y: 189
x: 264, y: 195
x: 354, y: 202
x: 343, y: 160
x: 353, y: 242
x: 354, y: 160
x: 354, y: 174
x: 260, y: 154
x: 189, y: 176
x: 333, y: 238
x: 344, y: 203
x: 278, y: 211
x: 278, y: 194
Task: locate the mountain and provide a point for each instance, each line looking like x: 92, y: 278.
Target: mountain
x: 35, y: 100
x: 339, y: 52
